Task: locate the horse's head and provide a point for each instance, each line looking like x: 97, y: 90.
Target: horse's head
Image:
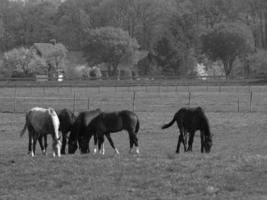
x: 84, y: 145
x: 72, y: 145
x: 208, y: 143
x: 57, y: 146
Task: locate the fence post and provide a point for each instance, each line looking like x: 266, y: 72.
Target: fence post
x: 133, y: 101
x: 88, y: 103
x: 238, y: 104
x: 250, y: 101
x: 15, y: 99
x: 74, y: 102
x: 189, y: 98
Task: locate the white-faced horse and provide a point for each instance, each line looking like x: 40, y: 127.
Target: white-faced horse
x: 40, y: 122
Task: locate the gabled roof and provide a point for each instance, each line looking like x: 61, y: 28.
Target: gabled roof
x: 47, y: 50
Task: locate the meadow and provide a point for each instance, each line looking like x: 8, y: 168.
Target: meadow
x: 235, y: 168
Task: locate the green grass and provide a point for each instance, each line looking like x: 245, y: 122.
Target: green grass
x: 235, y: 169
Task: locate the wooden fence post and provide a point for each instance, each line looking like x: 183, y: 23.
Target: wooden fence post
x: 88, y: 103
x: 238, y: 104
x: 15, y: 100
x: 74, y: 102
x: 133, y: 101
x: 250, y: 101
x: 189, y: 98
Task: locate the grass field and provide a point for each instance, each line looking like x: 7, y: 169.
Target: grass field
x: 236, y: 168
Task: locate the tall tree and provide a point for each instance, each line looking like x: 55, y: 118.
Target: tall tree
x: 226, y: 42
x: 109, y: 45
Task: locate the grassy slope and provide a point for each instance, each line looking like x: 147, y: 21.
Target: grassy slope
x: 236, y: 168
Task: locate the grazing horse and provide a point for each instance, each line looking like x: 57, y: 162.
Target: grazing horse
x: 40, y: 122
x: 80, y: 130
x: 190, y: 120
x: 106, y: 123
x: 66, y: 119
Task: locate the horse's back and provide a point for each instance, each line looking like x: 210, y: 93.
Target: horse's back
x: 191, y: 118
x: 42, y: 120
x: 117, y: 121
x: 66, y: 118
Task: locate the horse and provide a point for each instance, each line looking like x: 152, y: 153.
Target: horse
x: 80, y: 130
x: 40, y: 122
x: 66, y: 119
x: 190, y: 120
x: 109, y: 122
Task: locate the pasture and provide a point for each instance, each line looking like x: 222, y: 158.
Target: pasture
x: 235, y: 168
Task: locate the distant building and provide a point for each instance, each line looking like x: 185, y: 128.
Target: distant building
x: 53, y: 53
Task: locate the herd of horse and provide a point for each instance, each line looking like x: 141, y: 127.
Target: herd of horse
x: 78, y: 130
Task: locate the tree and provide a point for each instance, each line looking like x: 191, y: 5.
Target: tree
x: 226, y: 42
x: 258, y: 62
x: 21, y: 61
x: 109, y: 45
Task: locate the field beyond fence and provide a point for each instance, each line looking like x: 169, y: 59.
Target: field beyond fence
x: 137, y: 98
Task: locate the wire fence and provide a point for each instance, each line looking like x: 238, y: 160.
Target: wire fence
x: 139, y: 99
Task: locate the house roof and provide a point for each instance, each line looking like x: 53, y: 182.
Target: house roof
x: 48, y: 50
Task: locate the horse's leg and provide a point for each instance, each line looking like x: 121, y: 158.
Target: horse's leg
x: 180, y: 139
x: 135, y: 141
x: 30, y: 142
x: 100, y: 140
x: 112, y: 143
x: 202, y: 142
x: 34, y: 145
x: 191, y: 140
x: 185, y: 140
x: 40, y: 140
x: 64, y: 141
x: 95, y: 143
x: 131, y: 142
x: 45, y: 144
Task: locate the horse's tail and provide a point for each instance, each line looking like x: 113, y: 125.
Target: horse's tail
x: 25, y: 125
x: 170, y: 123
x: 137, y: 127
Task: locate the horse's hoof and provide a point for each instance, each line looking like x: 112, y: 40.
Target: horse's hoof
x: 137, y: 151
x: 94, y: 151
x: 117, y: 151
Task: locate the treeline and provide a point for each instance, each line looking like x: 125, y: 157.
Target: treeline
x: 172, y: 31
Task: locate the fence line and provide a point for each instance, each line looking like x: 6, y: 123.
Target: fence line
x: 142, y: 101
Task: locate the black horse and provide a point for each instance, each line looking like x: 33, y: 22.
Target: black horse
x: 110, y: 122
x: 67, y: 119
x: 190, y: 120
x: 80, y: 132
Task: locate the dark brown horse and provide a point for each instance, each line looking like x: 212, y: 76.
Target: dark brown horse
x: 189, y: 120
x: 67, y: 119
x: 109, y: 122
x: 80, y: 132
